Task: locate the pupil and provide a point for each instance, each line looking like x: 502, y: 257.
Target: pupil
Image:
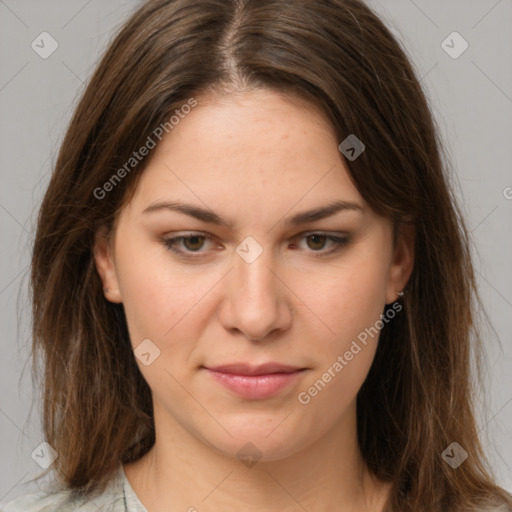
x: 193, y: 240
x: 317, y: 237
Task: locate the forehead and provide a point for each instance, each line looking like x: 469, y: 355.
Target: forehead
x: 249, y: 126
x: 255, y: 150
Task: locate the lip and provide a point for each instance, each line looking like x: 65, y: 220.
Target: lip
x: 255, y: 382
x: 261, y: 369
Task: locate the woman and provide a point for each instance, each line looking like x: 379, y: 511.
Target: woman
x: 252, y: 286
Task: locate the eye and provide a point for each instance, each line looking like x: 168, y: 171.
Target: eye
x: 317, y: 242
x: 192, y: 243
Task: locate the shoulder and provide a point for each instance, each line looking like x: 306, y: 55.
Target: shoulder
x: 61, y: 499
x: 38, y: 502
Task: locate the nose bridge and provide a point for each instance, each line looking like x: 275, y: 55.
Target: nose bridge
x: 254, y: 281
x: 258, y: 301
x: 255, y: 277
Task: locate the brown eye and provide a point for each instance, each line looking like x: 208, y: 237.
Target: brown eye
x: 191, y: 242
x: 187, y: 245
x: 318, y: 241
x: 323, y: 244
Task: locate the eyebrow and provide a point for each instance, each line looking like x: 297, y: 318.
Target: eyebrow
x: 214, y: 218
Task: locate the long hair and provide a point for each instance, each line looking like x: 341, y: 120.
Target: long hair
x: 417, y: 398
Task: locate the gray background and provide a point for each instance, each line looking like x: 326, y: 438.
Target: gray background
x: 471, y: 97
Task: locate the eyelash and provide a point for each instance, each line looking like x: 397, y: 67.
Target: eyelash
x: 170, y: 244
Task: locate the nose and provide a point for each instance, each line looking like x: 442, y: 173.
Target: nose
x: 256, y: 302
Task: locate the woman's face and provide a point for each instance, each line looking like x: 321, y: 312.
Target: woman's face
x: 269, y: 287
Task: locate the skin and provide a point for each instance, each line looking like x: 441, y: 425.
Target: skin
x: 255, y: 158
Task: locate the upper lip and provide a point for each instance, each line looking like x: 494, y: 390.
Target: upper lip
x: 247, y: 369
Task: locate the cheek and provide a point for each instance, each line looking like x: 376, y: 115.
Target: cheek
x: 327, y: 395
x: 346, y: 300
x: 350, y: 304
x: 163, y: 302
x: 156, y: 294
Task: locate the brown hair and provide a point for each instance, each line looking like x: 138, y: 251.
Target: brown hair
x: 417, y: 398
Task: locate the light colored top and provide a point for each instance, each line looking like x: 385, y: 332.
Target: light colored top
x: 118, y: 496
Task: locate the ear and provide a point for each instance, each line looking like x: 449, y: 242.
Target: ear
x: 105, y: 265
x: 403, y: 261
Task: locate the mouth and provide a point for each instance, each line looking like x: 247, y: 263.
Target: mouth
x: 255, y: 382
x: 249, y: 370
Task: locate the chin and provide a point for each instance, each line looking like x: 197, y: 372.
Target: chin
x: 253, y: 440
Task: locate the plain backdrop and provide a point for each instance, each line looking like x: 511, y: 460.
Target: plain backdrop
x: 471, y: 97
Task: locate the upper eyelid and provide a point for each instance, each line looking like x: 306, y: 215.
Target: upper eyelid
x: 337, y: 238
x: 190, y: 234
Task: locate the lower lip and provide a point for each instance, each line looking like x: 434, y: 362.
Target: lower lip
x: 255, y: 387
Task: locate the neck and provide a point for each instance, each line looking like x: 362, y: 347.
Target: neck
x: 181, y: 472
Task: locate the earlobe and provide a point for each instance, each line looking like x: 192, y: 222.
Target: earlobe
x: 403, y: 262
x: 105, y: 265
